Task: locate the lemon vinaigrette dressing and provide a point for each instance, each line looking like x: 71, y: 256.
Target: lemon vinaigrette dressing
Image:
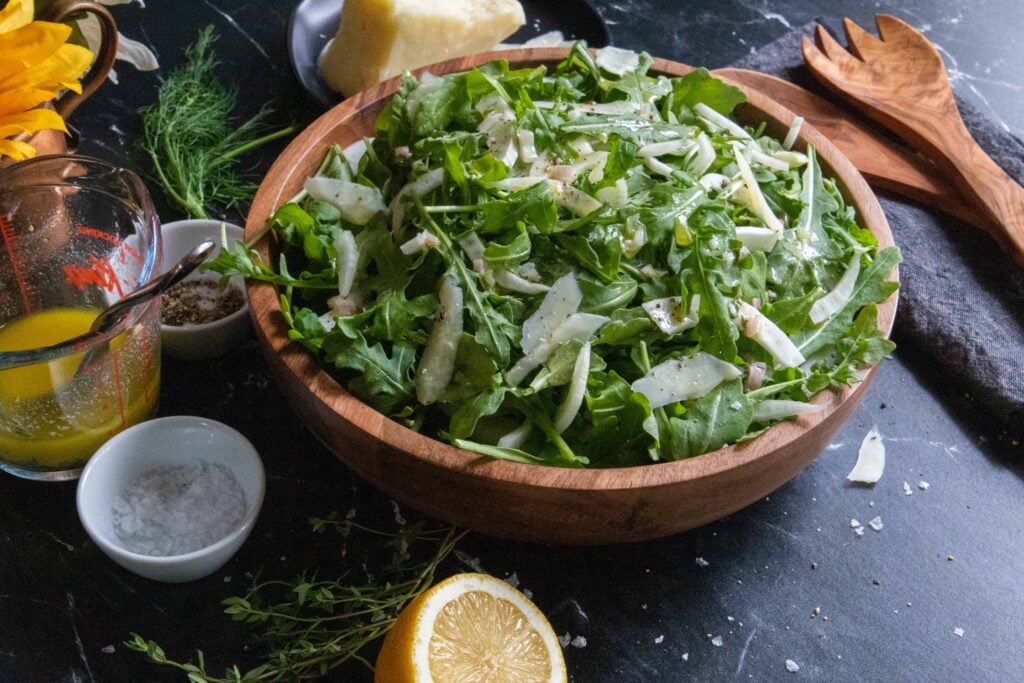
x: 56, y: 414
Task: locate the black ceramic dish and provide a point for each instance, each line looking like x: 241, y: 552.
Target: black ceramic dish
x: 314, y: 22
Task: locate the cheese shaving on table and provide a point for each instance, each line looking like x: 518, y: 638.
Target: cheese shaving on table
x: 870, y: 459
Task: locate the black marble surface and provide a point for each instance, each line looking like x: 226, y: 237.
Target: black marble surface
x: 948, y: 557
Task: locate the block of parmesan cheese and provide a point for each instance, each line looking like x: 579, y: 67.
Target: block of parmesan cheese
x: 378, y: 39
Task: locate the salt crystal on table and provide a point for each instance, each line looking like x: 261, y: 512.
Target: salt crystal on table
x: 792, y: 666
x: 659, y: 640
x: 854, y: 523
x: 876, y: 524
x: 923, y: 485
x: 717, y: 641
x: 564, y: 640
x: 958, y: 632
x: 579, y: 641
x: 907, y: 490
x: 686, y: 656
x: 701, y: 562
x: 108, y: 650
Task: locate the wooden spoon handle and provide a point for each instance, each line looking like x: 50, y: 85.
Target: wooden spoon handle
x: 983, y: 179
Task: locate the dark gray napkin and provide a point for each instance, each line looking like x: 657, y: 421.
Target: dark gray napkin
x: 961, y: 299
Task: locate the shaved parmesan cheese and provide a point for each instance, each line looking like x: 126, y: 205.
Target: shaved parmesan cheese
x: 519, y: 183
x: 794, y: 132
x: 758, y: 327
x: 578, y: 326
x: 658, y: 167
x: 668, y: 313
x: 779, y: 410
x: 577, y: 390
x: 705, y: 155
x: 870, y: 459
x: 616, y: 195
x: 437, y: 364
x: 574, y: 199
x: 833, y: 302
x: 757, y: 238
x: 657, y: 149
x: 527, y: 146
x: 428, y: 182
x: 617, y: 61
x: 513, y: 283
x: 423, y: 241
x: 357, y: 203
x: 719, y: 121
x: 714, y: 181
x: 682, y: 379
x: 620, y: 108
x: 760, y: 206
x: 348, y: 257
x: 518, y: 436
x: 768, y: 161
x: 561, y: 301
x: 793, y: 159
x: 471, y: 244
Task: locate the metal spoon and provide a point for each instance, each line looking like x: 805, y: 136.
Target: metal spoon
x: 112, y: 315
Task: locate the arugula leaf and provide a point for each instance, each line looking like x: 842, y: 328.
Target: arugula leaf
x: 700, y: 86
x: 469, y: 411
x: 719, y: 418
x: 873, y: 286
x: 384, y: 381
x: 716, y: 328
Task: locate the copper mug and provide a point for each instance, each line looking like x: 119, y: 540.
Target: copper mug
x: 55, y: 141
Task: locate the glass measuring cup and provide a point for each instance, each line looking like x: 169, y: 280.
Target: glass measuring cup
x: 76, y: 234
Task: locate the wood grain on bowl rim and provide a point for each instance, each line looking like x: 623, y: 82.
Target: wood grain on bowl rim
x: 534, y: 502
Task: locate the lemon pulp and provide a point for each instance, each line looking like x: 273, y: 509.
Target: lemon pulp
x: 52, y: 419
x: 481, y: 637
x: 471, y: 628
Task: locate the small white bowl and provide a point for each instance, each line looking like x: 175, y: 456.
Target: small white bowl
x: 168, y: 441
x: 212, y: 339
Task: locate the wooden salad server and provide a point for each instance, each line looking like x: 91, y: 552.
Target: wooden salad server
x: 899, y: 81
x: 885, y: 163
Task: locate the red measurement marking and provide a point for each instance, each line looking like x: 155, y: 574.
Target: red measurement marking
x: 99, y: 272
x: 113, y: 239
x: 10, y: 242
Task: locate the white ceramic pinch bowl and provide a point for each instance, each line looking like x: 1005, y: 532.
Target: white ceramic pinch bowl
x: 212, y: 339
x: 168, y: 441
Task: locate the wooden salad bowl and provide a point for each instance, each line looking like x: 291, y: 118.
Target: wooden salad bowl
x: 533, y: 502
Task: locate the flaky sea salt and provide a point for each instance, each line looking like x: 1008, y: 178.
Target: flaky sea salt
x: 579, y: 641
x: 792, y: 666
x: 177, y: 510
x: 701, y: 562
x: 923, y: 485
x: 659, y: 640
x: 876, y: 524
x: 959, y: 632
x: 717, y: 641
x: 907, y: 490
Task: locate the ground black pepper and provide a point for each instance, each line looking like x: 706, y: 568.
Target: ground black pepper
x: 195, y: 302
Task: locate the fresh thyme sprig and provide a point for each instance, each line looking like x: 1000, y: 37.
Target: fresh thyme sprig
x: 193, y: 140
x: 308, y: 627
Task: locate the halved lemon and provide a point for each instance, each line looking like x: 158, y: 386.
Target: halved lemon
x: 471, y: 628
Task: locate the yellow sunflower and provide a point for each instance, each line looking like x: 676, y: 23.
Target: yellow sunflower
x: 36, y: 64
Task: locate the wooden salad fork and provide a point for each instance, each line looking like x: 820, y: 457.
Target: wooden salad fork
x: 899, y: 80
x: 885, y: 163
